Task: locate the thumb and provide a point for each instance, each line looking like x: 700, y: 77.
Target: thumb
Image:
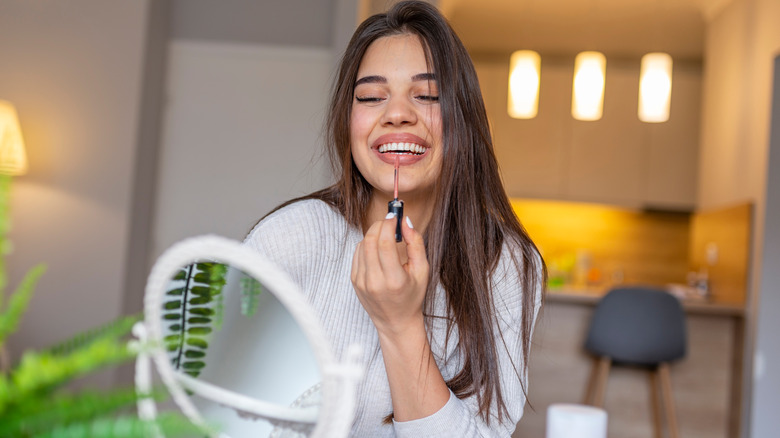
x: 415, y: 246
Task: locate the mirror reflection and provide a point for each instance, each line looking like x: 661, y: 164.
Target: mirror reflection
x: 223, y: 327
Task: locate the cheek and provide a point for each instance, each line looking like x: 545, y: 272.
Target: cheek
x: 359, y: 126
x: 435, y: 124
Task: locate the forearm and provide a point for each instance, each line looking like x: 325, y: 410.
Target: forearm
x: 416, y: 384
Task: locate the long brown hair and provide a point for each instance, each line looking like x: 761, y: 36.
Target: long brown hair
x: 472, y: 219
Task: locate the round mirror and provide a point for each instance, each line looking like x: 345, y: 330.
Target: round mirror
x: 237, y: 345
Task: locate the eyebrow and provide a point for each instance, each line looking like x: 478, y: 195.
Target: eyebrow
x: 376, y: 79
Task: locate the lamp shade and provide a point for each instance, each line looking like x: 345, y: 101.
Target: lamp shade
x: 655, y: 87
x: 588, y: 88
x: 13, y: 160
x: 524, y: 70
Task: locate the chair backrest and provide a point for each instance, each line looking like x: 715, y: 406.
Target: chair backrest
x: 638, y: 325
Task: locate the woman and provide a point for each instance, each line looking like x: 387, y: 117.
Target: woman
x: 445, y: 317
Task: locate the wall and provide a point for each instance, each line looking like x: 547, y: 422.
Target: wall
x: 89, y: 79
x: 767, y: 379
x: 244, y: 114
x: 240, y: 136
x: 741, y: 44
x: 620, y: 245
x: 74, y: 70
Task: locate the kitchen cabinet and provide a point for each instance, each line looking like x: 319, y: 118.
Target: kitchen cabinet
x: 617, y: 160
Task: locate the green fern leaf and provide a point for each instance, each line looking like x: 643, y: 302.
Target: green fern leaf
x: 175, y: 292
x: 201, y: 311
x: 115, y: 329
x: 219, y: 311
x: 194, y: 354
x: 171, y: 305
x: 17, y: 304
x: 250, y: 291
x: 197, y: 301
x: 201, y: 290
x: 41, y: 414
x: 170, y: 425
x: 199, y: 320
x: 194, y: 287
x: 40, y: 373
x: 197, y: 342
x: 194, y: 365
x: 199, y: 330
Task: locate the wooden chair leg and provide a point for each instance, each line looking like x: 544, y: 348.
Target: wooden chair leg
x: 594, y: 372
x: 666, y: 392
x: 658, y: 429
x: 601, y: 383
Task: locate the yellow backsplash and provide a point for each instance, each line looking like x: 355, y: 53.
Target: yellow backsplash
x: 622, y: 245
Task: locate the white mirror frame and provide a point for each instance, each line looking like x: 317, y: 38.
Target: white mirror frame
x: 333, y: 418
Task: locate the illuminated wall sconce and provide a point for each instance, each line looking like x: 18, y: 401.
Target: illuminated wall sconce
x: 588, y: 88
x: 524, y: 74
x: 13, y: 160
x: 655, y: 87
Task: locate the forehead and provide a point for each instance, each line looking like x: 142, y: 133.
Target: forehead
x: 394, y: 54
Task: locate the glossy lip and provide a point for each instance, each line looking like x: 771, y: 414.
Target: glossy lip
x: 404, y: 160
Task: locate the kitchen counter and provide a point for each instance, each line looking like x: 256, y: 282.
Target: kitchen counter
x: 592, y: 295
x: 706, y: 384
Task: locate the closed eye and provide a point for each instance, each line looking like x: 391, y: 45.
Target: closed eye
x: 368, y: 99
x: 429, y: 98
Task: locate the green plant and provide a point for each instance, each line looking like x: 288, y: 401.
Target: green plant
x: 34, y: 399
x: 191, y: 308
x: 194, y: 309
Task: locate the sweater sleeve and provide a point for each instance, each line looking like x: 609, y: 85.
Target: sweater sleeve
x: 460, y: 417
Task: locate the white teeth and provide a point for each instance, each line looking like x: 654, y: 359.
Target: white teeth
x: 401, y: 147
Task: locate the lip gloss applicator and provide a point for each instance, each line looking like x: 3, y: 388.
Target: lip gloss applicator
x: 396, y: 206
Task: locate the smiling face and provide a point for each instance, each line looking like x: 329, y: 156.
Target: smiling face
x: 396, y: 113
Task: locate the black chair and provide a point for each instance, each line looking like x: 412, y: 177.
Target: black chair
x: 642, y: 327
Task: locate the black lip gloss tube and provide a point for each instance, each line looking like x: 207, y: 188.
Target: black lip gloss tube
x: 396, y: 206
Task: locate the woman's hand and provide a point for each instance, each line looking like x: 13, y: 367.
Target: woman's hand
x: 391, y: 291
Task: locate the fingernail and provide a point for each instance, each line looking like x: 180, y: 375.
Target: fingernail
x: 390, y: 215
x: 409, y: 222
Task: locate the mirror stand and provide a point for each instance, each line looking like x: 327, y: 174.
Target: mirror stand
x: 326, y: 410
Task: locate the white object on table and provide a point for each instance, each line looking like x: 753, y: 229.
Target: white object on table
x: 576, y: 421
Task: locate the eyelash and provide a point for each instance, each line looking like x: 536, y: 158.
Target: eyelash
x: 377, y: 99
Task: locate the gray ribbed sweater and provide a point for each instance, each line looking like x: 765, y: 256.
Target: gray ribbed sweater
x: 314, y: 245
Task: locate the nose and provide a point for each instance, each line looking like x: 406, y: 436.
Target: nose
x: 398, y: 112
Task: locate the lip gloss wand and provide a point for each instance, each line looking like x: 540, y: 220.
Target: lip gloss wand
x: 396, y: 206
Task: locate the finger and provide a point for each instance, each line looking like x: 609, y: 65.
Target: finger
x: 371, y: 268
x: 388, y: 248
x: 355, y: 265
x: 415, y: 245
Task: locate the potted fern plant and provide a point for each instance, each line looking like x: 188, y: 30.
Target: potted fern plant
x: 34, y: 398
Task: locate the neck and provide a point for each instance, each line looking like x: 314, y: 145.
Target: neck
x: 419, y: 210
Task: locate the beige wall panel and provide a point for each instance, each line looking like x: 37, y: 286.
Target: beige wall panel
x: 74, y: 71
